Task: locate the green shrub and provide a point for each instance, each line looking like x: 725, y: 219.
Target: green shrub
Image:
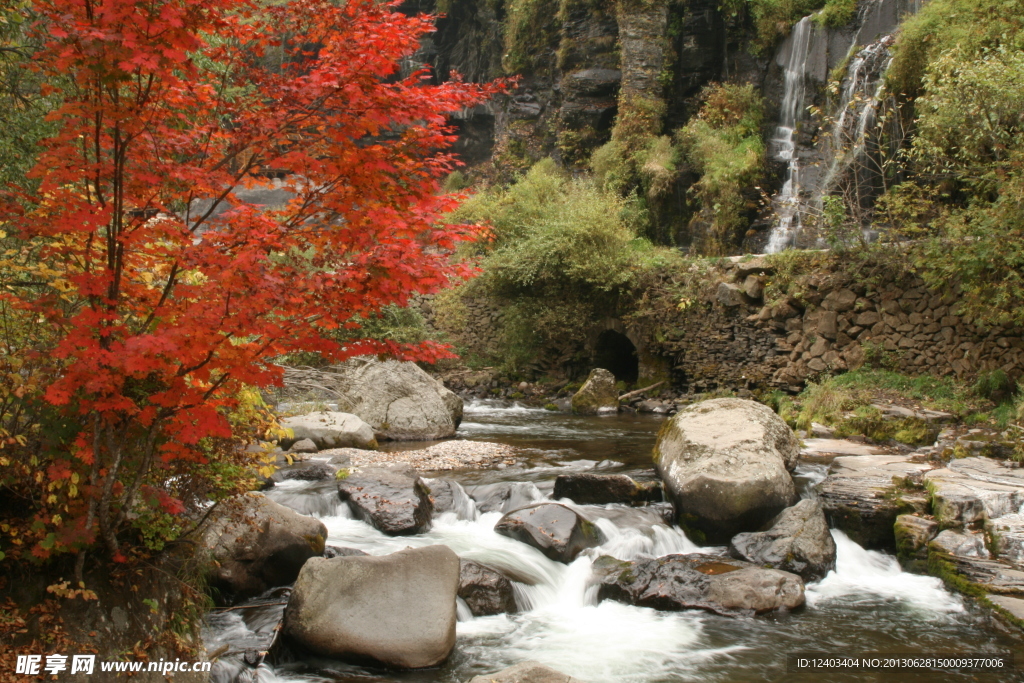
x: 563, y: 250
x: 994, y: 386
x: 723, y: 144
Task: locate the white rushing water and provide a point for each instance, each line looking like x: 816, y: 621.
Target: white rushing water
x: 872, y: 576
x: 562, y: 625
x: 866, y: 603
x: 783, y: 143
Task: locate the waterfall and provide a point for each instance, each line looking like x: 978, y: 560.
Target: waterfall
x: 847, y: 145
x: 783, y: 144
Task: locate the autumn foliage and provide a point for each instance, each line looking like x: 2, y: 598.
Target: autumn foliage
x: 137, y: 309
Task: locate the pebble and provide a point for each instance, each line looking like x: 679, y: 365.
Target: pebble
x: 446, y: 455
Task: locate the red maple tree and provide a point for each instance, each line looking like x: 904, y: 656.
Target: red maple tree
x: 164, y: 294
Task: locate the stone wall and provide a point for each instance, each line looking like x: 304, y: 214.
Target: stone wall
x: 736, y: 340
x: 730, y: 338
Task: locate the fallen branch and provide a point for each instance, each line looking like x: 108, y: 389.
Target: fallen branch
x: 640, y: 391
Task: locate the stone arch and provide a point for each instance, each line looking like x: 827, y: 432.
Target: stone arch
x: 614, y: 352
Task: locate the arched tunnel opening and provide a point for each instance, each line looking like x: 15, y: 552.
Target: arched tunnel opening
x: 615, y: 353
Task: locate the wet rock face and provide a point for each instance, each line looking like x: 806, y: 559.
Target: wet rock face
x: 598, y: 394
x: 726, y: 467
x: 397, y: 610
x: 557, y: 531
x: 395, y: 501
x: 504, y: 497
x: 860, y: 499
x: 257, y: 544
x: 485, y: 589
x: 677, y: 582
x: 797, y: 541
x: 526, y: 672
x: 602, y: 489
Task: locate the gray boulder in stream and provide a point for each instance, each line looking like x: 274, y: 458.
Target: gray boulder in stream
x: 797, y: 541
x: 597, y: 395
x: 397, y: 610
x: 256, y: 544
x: 485, y: 590
x: 726, y: 467
x: 328, y: 430
x: 556, y: 530
x: 397, y: 399
x: 393, y: 500
x: 697, y: 581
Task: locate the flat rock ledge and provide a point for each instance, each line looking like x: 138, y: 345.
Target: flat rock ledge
x: 864, y: 494
x: 446, y: 455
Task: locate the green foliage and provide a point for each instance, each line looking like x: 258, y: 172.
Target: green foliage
x: 23, y: 107
x: 969, y: 158
x: 563, y: 249
x: 723, y: 143
x: 968, y: 25
x: 837, y: 13
x: 994, y: 385
x: 773, y: 19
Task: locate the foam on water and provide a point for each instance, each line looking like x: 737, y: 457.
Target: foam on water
x: 866, y: 576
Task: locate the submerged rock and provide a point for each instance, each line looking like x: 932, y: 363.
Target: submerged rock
x: 447, y: 495
x: 394, y: 500
x: 677, y: 582
x: 505, y: 497
x: 797, y: 541
x: 726, y: 466
x: 257, y: 544
x: 526, y: 672
x: 485, y: 590
x: 601, y: 489
x: 328, y: 430
x: 557, y: 531
x: 309, y: 470
x: 397, y: 610
x: 598, y: 394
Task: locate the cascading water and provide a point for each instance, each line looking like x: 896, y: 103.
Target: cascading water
x: 847, y: 151
x: 783, y: 144
x: 866, y: 605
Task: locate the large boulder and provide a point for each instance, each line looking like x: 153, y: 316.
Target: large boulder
x: 726, y: 466
x: 329, y: 430
x: 397, y: 610
x: 678, y: 582
x: 597, y: 395
x: 797, y: 541
x: 397, y: 399
x: 557, y: 531
x: 602, y: 489
x: 394, y: 500
x: 526, y: 672
x: 256, y: 544
x: 485, y: 590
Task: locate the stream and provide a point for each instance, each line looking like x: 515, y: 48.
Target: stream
x: 867, y: 605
